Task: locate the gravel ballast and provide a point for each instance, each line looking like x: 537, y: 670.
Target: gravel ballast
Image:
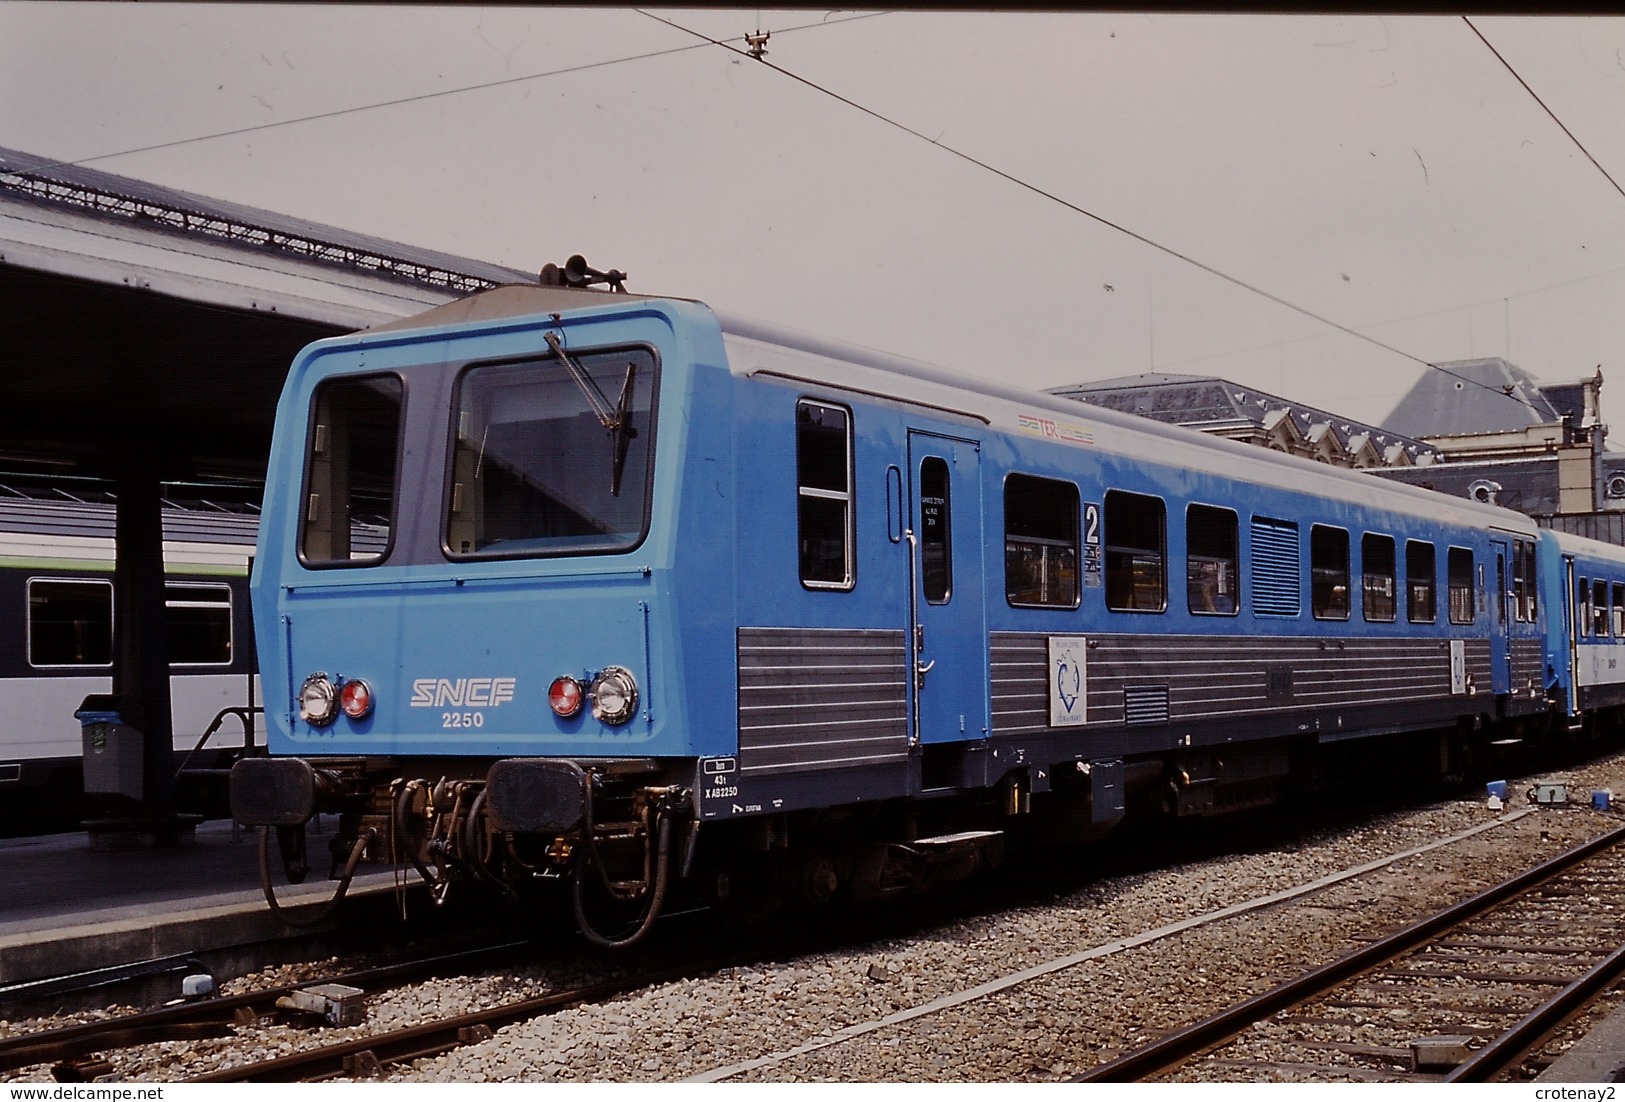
x: 908, y: 1008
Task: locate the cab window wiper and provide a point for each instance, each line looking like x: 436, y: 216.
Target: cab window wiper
x: 618, y: 421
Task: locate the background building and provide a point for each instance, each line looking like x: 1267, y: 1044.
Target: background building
x: 1481, y: 428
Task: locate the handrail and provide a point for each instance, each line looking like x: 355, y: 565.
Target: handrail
x: 244, y: 713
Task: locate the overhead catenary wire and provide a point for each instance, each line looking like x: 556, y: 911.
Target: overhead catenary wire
x: 1084, y: 211
x: 401, y: 101
x: 1577, y: 142
x: 706, y: 40
x: 1503, y: 298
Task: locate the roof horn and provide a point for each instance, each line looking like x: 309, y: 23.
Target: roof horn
x: 577, y: 273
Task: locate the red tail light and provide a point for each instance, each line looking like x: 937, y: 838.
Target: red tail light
x: 356, y: 698
x: 564, y: 696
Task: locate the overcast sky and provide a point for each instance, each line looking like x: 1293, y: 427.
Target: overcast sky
x: 1386, y: 173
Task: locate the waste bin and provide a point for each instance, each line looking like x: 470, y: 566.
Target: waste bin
x: 112, y: 750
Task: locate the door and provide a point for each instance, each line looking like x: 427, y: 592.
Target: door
x: 948, y: 640
x: 1501, y: 618
x: 1571, y: 620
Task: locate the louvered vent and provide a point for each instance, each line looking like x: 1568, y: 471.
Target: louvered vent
x: 1275, y: 567
x: 1145, y: 703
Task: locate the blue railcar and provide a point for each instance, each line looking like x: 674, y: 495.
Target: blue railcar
x: 553, y: 580
x: 1584, y: 586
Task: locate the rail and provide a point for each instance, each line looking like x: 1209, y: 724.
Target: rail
x: 195, y: 1019
x: 1174, y: 1048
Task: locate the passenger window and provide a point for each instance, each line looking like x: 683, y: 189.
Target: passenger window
x: 1377, y: 577
x: 1275, y: 567
x: 1523, y: 580
x: 350, y: 472
x: 824, y: 495
x: 1531, y: 577
x: 1421, y: 581
x: 1582, y: 607
x: 199, y: 624
x: 70, y: 623
x: 1503, y: 595
x: 936, y: 545
x: 1619, y: 611
x: 1329, y: 572
x: 1599, y: 608
x: 1459, y: 566
x: 1040, y: 542
x: 1135, y: 541
x: 1211, y: 571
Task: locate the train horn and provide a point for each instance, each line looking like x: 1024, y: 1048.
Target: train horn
x: 578, y: 273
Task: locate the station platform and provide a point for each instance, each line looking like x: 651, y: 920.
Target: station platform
x: 67, y: 907
x: 1598, y: 1057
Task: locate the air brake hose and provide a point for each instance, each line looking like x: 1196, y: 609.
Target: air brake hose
x: 589, y: 834
x: 402, y: 836
x: 326, y: 910
x: 471, y: 839
x: 656, y: 899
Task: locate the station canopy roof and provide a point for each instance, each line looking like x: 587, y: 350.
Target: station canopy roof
x: 145, y: 325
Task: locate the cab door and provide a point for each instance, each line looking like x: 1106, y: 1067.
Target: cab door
x: 948, y: 636
x: 1571, y: 622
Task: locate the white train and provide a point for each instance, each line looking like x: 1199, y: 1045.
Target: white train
x: 56, y: 640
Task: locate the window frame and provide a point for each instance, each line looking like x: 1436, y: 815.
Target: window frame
x: 1109, y: 548
x: 1524, y: 588
x: 848, y: 499
x: 229, y: 604
x: 1075, y: 545
x: 1318, y: 573
x: 1234, y: 561
x: 28, y: 627
x: 1432, y: 583
x: 307, y: 473
x: 1451, y: 588
x: 946, y: 527
x: 1367, y: 541
x: 448, y: 497
x: 1599, y: 608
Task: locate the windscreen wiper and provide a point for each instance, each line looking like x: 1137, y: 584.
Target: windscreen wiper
x: 617, y: 421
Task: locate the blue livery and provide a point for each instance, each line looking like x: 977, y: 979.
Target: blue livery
x: 618, y: 591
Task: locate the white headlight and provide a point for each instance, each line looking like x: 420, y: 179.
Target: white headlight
x: 614, y: 695
x: 318, y: 700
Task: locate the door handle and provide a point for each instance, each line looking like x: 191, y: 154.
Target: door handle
x: 920, y: 670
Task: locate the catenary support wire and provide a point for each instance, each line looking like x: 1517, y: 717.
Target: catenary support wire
x: 1075, y: 208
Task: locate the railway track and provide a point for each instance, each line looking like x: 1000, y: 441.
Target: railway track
x: 365, y: 1057
x: 79, y: 1053
x: 1466, y: 995
x: 357, y: 1056
x: 74, y: 1051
